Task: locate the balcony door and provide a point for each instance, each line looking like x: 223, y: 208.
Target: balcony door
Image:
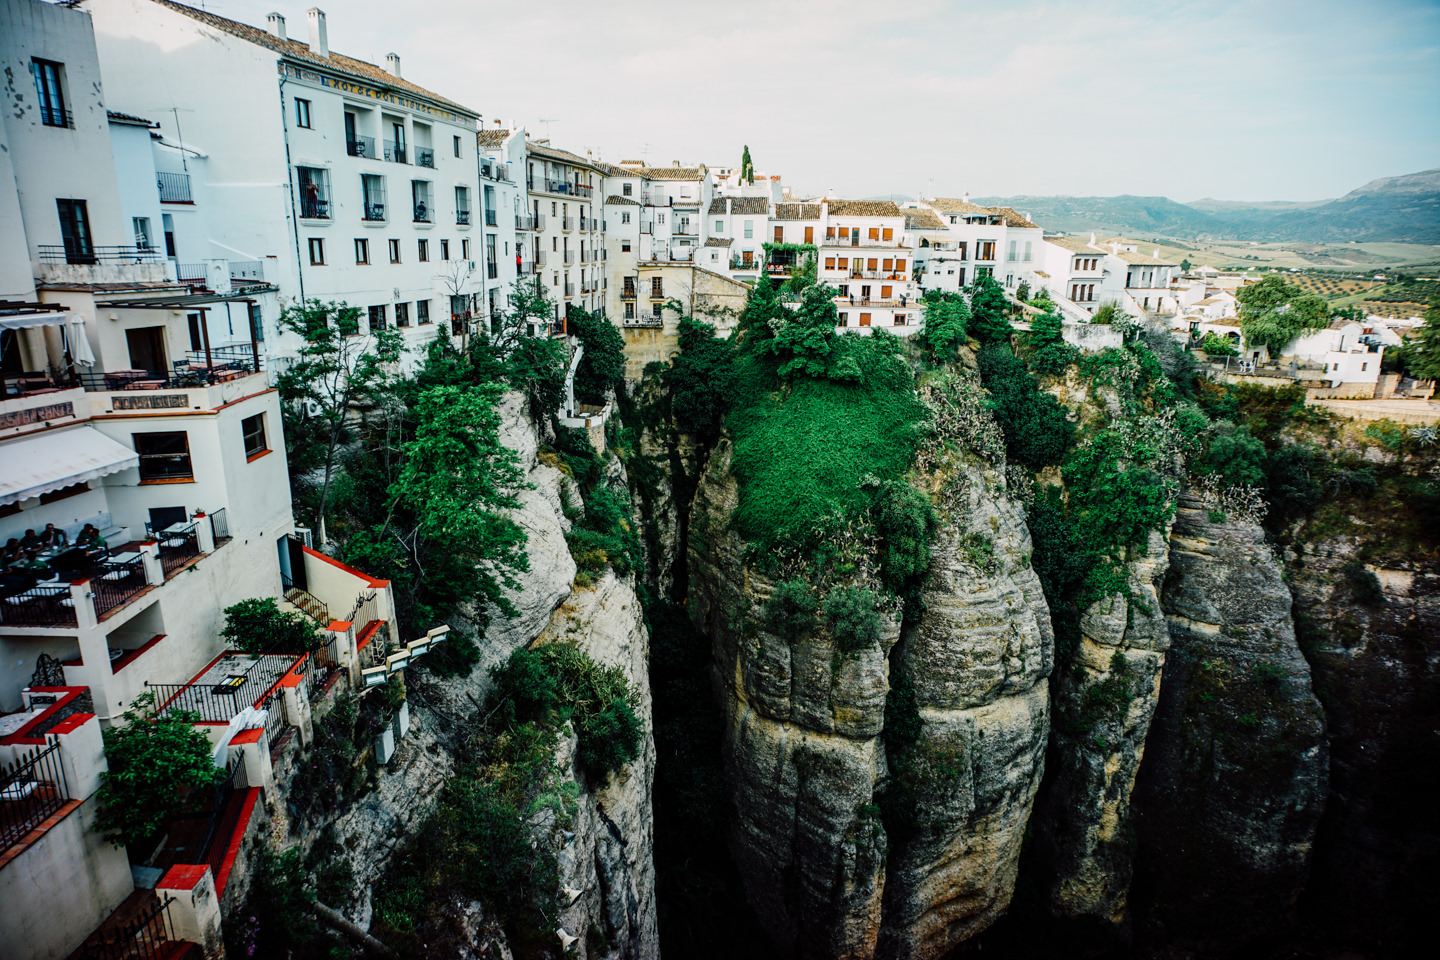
x: 147, y: 349
x: 75, y: 231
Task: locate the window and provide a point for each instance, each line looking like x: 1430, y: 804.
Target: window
x: 422, y: 312
x: 253, y: 429
x: 749, y: 229
x: 657, y: 287
x: 50, y: 90
x: 986, y: 250
x: 779, y: 234
x: 627, y: 189
x: 444, y: 249
x: 402, y: 314
x: 844, y: 319
x: 197, y: 339
x: 317, y: 252
x: 140, y: 226
x: 257, y: 324
x: 424, y: 251
x: 659, y: 218
x: 719, y: 226
x: 372, y: 188
x: 629, y: 310
x: 864, y: 319
x: 394, y: 251
x: 164, y: 456
x: 888, y: 265
x: 900, y: 268
x: 462, y: 206
x: 874, y: 233
x: 624, y: 246
x: 424, y: 205
x: 657, y: 310
x: 75, y: 231
x: 362, y: 250
x: 1027, y: 251
x: 844, y: 263
x: 314, y: 185
x: 465, y: 249
x: 829, y: 263
x: 457, y: 146
x: 624, y: 218
x: 885, y: 292
x: 887, y: 234
x: 1011, y: 256
x: 377, y: 317
x: 302, y: 113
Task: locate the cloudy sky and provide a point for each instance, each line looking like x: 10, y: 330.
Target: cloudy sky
x: 1254, y: 100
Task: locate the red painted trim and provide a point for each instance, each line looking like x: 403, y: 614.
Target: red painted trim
x: 72, y: 723
x: 350, y: 570
x: 183, y: 876
x: 133, y: 655
x: 24, y: 735
x: 191, y: 683
x: 340, y: 626
x: 252, y: 458
x: 247, y: 736
x: 367, y: 634
x: 281, y: 682
x: 233, y: 851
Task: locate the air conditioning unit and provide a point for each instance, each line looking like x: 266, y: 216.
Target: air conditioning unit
x: 303, y: 535
x: 313, y: 408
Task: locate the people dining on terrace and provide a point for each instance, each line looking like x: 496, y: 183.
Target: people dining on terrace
x: 89, y: 538
x: 11, y: 554
x: 31, y: 540
x: 53, y: 536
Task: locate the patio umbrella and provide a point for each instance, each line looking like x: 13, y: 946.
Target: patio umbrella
x: 78, y: 343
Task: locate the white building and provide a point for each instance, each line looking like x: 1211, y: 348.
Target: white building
x: 329, y: 176
x: 1086, y: 274
x: 1350, y: 354
x: 505, y: 203
x: 996, y: 241
x: 563, y: 231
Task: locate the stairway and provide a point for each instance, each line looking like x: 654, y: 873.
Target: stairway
x: 309, y: 604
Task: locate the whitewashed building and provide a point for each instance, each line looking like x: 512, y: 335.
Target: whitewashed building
x: 1086, y: 274
x: 503, y: 200
x: 331, y: 177
x: 997, y: 241
x: 563, y: 231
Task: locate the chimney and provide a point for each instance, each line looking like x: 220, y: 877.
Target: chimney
x: 277, y: 25
x: 1092, y: 239
x: 392, y: 65
x: 728, y: 203
x: 319, y: 41
x: 676, y: 162
x: 965, y: 197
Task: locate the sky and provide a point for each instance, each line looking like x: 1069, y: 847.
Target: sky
x: 1254, y: 100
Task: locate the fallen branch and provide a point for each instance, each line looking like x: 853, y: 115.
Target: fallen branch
x: 337, y: 920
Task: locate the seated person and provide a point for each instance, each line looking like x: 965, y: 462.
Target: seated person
x: 33, y: 564
x: 53, y: 536
x: 31, y: 540
x: 11, y: 554
x: 90, y: 539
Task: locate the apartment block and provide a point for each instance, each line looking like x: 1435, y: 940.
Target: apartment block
x: 565, y: 239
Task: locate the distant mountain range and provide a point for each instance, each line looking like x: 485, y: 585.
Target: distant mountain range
x: 1404, y: 209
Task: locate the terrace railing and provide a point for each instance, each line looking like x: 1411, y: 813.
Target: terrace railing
x: 31, y: 788
x: 89, y: 253
x: 425, y: 157
x: 174, y: 187
x: 178, y: 549
x: 116, y: 584
x: 149, y: 936
x: 361, y: 147
x: 42, y: 605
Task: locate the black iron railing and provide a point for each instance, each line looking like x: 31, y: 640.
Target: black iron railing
x: 462, y: 218
x: 220, y: 702
x: 174, y: 187
x: 149, y: 936
x: 425, y: 157
x: 360, y: 147
x: 220, y: 523
x: 89, y: 253
x: 395, y: 152
x: 365, y: 609
x: 374, y: 211
x: 115, y: 584
x: 422, y: 212
x: 178, y: 549
x: 55, y: 116
x: 31, y: 788
x: 182, y: 379
x: 41, y: 605
x: 491, y: 218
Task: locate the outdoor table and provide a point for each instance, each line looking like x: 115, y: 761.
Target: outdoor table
x: 130, y: 556
x: 231, y: 684
x: 39, y: 592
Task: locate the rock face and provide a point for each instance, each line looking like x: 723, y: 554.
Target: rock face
x: 805, y: 748
x: 1104, y: 703
x: 1237, y: 765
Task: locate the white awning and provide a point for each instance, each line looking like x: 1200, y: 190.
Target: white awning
x: 51, y: 461
x: 40, y: 318
x: 73, y: 325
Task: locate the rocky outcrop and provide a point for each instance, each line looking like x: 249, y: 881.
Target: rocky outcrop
x: 1104, y: 701
x: 805, y: 744
x: 1237, y: 764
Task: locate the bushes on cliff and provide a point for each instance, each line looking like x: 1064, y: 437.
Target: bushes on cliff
x: 1234, y: 456
x: 602, y: 367
x: 790, y: 608
x: 1037, y: 433
x: 258, y: 625
x: 904, y: 521
x: 701, y: 379
x: 1049, y: 353
x: 945, y: 326
x: 989, y: 311
x: 853, y: 620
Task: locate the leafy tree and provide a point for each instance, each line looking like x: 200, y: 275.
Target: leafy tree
x: 1218, y: 346
x: 337, y: 369
x: 1234, y: 456
x: 1050, y: 354
x: 1185, y: 266
x: 1423, y: 355
x: 807, y: 342
x: 944, y: 326
x: 701, y: 379
x: 1022, y: 292
x: 853, y: 619
x: 1036, y: 430
x: 155, y: 763
x: 602, y: 368
x: 258, y: 625
x: 989, y: 311
x: 762, y: 313
x: 904, y: 521
x: 281, y: 902
x: 1273, y: 313
x: 517, y: 348
x: 747, y: 169
x: 1290, y: 482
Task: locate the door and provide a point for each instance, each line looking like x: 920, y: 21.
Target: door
x: 292, y: 562
x: 147, y: 349
x: 809, y: 234
x: 75, y: 231
x: 779, y: 234
x: 349, y: 127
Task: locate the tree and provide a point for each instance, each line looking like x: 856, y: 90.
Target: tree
x: 701, y: 379
x: 516, y: 347
x: 335, y: 372
x: 806, y: 343
x: 1050, y: 354
x: 945, y: 323
x: 989, y: 311
x: 1234, y: 456
x: 454, y: 276
x: 258, y: 625
x: 155, y: 763
x: 1022, y: 292
x: 1423, y: 355
x: 1218, y: 346
x: 747, y: 169
x: 1273, y: 313
x: 1185, y: 266
x: 602, y: 368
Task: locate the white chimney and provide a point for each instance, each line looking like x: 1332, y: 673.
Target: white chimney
x: 392, y: 64
x: 965, y: 197
x: 319, y: 41
x: 1092, y: 239
x: 277, y: 25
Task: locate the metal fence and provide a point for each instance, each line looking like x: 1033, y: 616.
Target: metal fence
x: 149, y: 936
x: 174, y: 187
x: 220, y: 523
x: 31, y: 788
x: 220, y: 702
x: 90, y: 253
x: 42, y: 605
x: 178, y: 549
x: 115, y: 583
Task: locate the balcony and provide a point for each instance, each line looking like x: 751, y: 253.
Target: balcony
x: 395, y: 152
x: 569, y: 257
x: 628, y: 293
x: 744, y: 264
x: 52, y: 116
x: 86, y: 253
x: 374, y: 212
x: 314, y: 201
x: 492, y: 218
x: 227, y: 364
x: 529, y: 222
x: 566, y: 188
x: 831, y: 240
x: 687, y: 230
x: 462, y: 218
x: 492, y: 270
x: 422, y: 212
x: 174, y: 187
x: 539, y: 258
x: 894, y: 276
x: 569, y: 289
x: 567, y: 224
x: 657, y: 292
x: 361, y: 147
x: 425, y: 157
x: 494, y: 169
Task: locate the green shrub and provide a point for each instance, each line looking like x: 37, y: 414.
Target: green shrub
x: 611, y: 738
x: 989, y: 311
x: 790, y: 609
x: 701, y: 379
x: 904, y: 521
x: 455, y: 657
x: 1218, y: 346
x: 602, y: 367
x: 1037, y: 433
x: 1234, y: 456
x: 852, y: 617
x: 944, y: 329
x: 258, y: 625
x: 1364, y: 585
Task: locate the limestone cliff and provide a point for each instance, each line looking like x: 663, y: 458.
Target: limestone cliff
x: 805, y: 749
x: 1237, y: 765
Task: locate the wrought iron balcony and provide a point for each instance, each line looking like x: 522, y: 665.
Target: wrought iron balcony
x: 491, y: 218
x: 425, y: 157
x: 395, y: 152
x: 72, y: 251
x: 361, y: 147
x: 374, y: 211
x: 462, y: 218
x: 422, y: 212
x: 174, y: 187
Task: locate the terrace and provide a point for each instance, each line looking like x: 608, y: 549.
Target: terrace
x: 234, y: 682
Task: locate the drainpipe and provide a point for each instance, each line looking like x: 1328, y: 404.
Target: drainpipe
x: 289, y: 195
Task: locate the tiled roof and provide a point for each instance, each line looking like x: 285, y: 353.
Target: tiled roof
x: 1140, y: 259
x: 119, y: 117
x: 864, y: 208
x: 1013, y: 218
x: 718, y: 241
x: 750, y: 205
x: 297, y: 50
x: 1074, y: 245
x: 797, y: 211
x: 492, y: 137
x: 922, y: 220
x: 667, y: 173
x: 952, y: 205
x: 622, y: 201
x: 553, y: 153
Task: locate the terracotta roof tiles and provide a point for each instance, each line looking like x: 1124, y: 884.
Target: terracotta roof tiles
x: 756, y: 206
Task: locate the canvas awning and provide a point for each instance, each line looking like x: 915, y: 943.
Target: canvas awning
x: 73, y: 325
x: 58, y: 459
